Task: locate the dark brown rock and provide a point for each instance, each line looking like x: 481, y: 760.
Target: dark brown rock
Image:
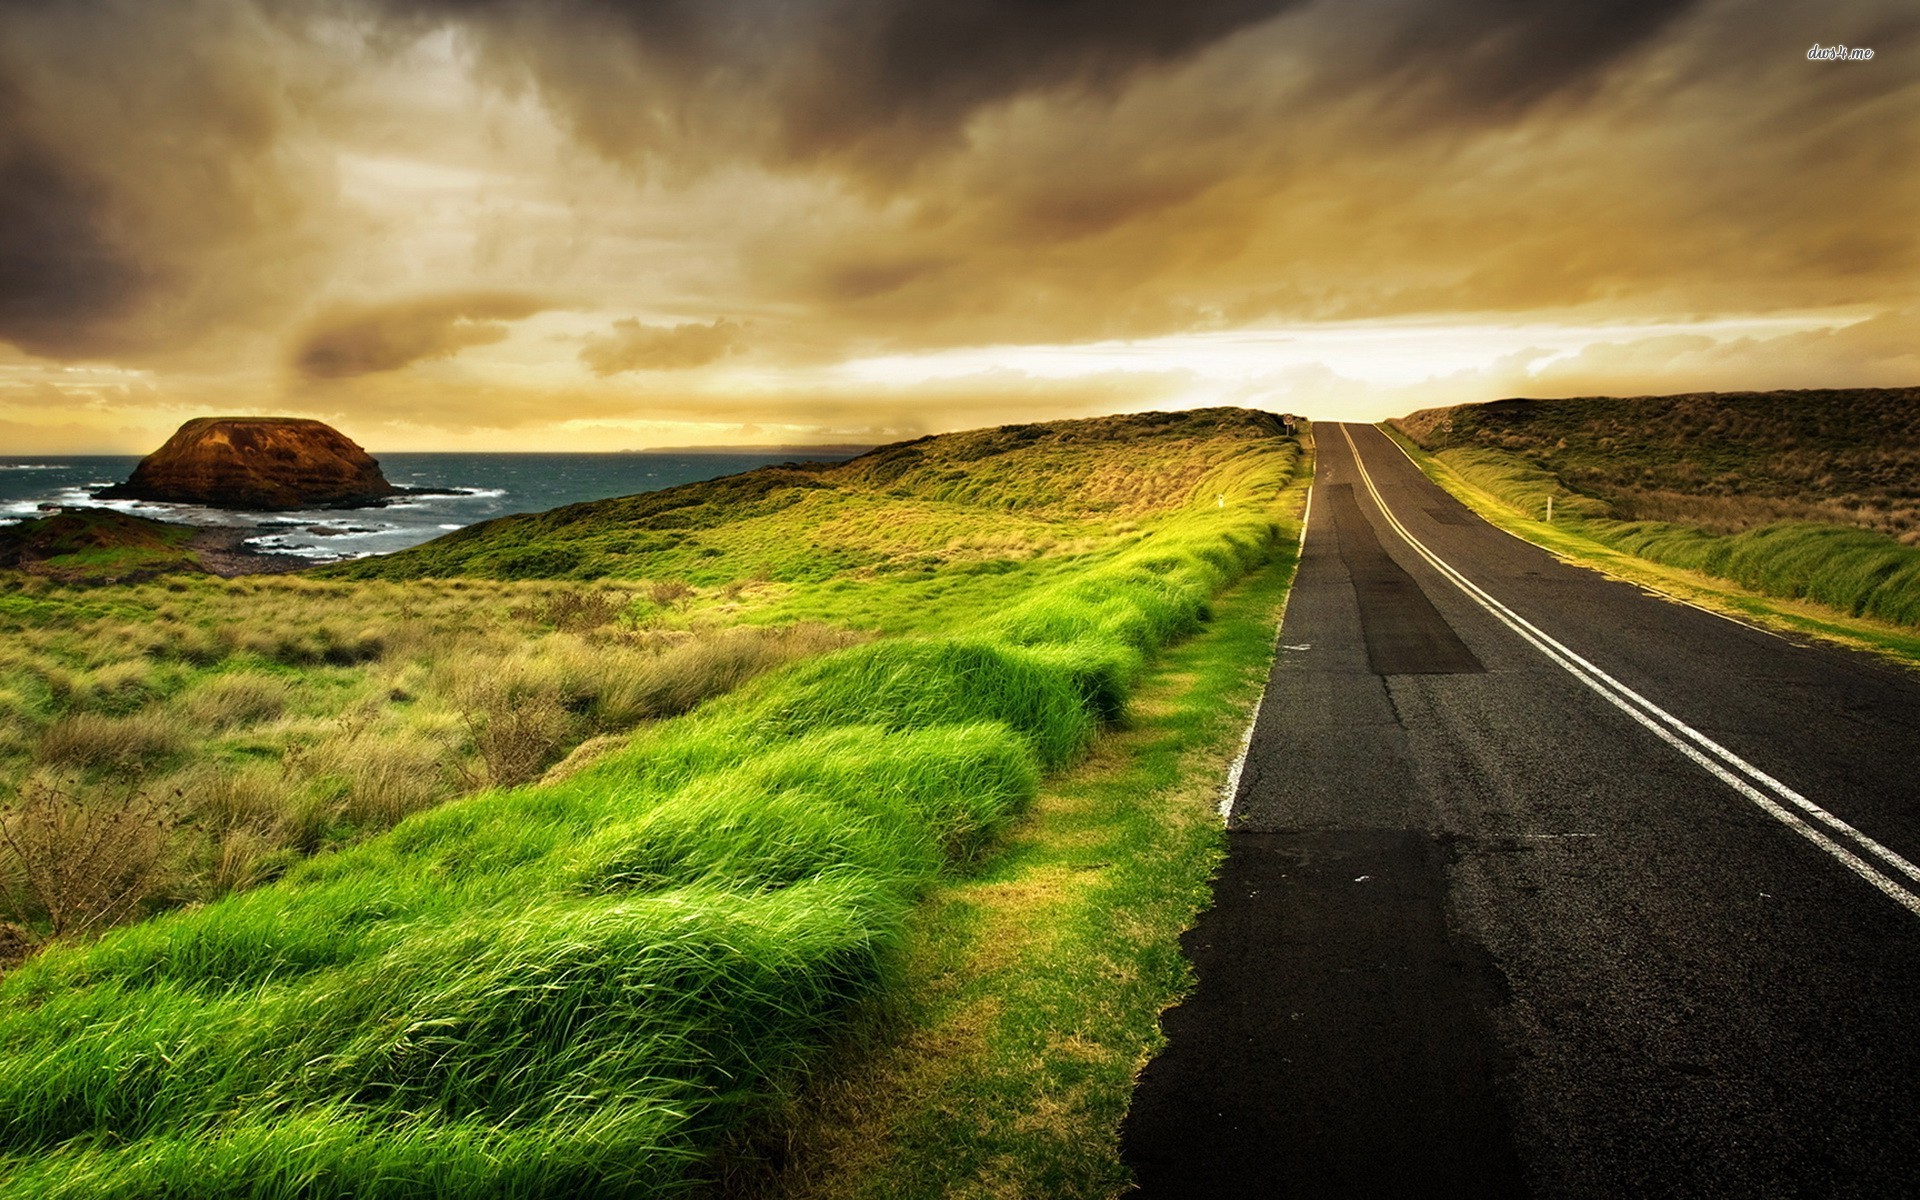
x: 257, y: 463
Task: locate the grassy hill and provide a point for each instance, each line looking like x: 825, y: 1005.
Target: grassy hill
x: 963, y: 500
x: 579, y: 980
x: 1720, y: 461
x: 97, y: 545
x: 1801, y: 494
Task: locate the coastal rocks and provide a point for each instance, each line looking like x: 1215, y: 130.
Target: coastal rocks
x: 257, y: 464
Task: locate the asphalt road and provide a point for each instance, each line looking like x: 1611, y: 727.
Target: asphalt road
x: 1543, y: 885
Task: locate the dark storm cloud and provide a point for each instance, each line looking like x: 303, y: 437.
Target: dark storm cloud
x: 1503, y: 55
x: 146, y: 196
x: 876, y: 82
x: 350, y: 342
x: 879, y: 84
x: 915, y: 71
x: 952, y: 170
x: 62, y: 282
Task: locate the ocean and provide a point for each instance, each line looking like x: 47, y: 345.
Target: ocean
x: 484, y: 486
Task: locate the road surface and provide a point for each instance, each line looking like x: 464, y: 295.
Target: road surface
x: 1542, y: 885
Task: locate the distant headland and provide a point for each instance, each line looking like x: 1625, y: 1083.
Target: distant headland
x: 271, y: 464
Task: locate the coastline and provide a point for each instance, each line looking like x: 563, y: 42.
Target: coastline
x: 222, y: 550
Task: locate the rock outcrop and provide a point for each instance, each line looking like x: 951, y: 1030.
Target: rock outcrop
x: 257, y: 463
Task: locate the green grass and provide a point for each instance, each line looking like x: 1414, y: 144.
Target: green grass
x: 1033, y: 989
x: 585, y: 986
x: 97, y: 545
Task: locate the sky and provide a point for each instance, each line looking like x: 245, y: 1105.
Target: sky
x: 622, y: 224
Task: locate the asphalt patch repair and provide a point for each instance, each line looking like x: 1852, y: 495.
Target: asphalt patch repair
x: 1405, y: 634
x: 1334, y: 1045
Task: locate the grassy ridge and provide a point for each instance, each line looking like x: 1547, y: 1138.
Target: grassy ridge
x: 1033, y: 987
x: 976, y: 502
x: 577, y: 988
x: 1720, y: 461
x: 97, y: 544
x: 1859, y: 569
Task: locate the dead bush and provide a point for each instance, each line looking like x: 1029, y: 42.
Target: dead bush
x: 518, y: 726
x: 671, y: 593
x: 79, y: 866
x: 575, y: 610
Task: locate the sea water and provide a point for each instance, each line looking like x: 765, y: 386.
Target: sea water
x: 483, y: 486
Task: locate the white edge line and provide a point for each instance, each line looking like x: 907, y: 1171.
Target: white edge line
x: 1888, y: 856
x: 1569, y: 559
x: 1230, y: 790
x: 1618, y: 694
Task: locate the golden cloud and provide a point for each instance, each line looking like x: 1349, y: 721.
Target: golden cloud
x: 348, y: 342
x: 633, y: 346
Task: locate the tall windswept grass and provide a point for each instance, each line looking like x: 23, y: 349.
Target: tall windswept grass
x: 131, y: 744
x: 1857, y: 571
x: 578, y: 988
x: 239, y: 699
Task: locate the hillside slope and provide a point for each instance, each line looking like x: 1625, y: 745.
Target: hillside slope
x: 1720, y: 461
x: 936, y: 502
x: 97, y: 545
x: 1806, y: 495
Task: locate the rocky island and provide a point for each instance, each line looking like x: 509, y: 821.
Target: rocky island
x: 258, y: 464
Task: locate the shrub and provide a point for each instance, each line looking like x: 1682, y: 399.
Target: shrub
x: 576, y: 609
x: 80, y: 867
x: 517, y: 725
x: 671, y: 593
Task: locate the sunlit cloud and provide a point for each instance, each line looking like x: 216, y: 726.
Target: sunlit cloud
x: 633, y: 346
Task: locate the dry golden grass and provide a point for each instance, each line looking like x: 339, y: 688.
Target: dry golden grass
x: 230, y: 701
x: 281, y: 716
x: 133, y: 743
